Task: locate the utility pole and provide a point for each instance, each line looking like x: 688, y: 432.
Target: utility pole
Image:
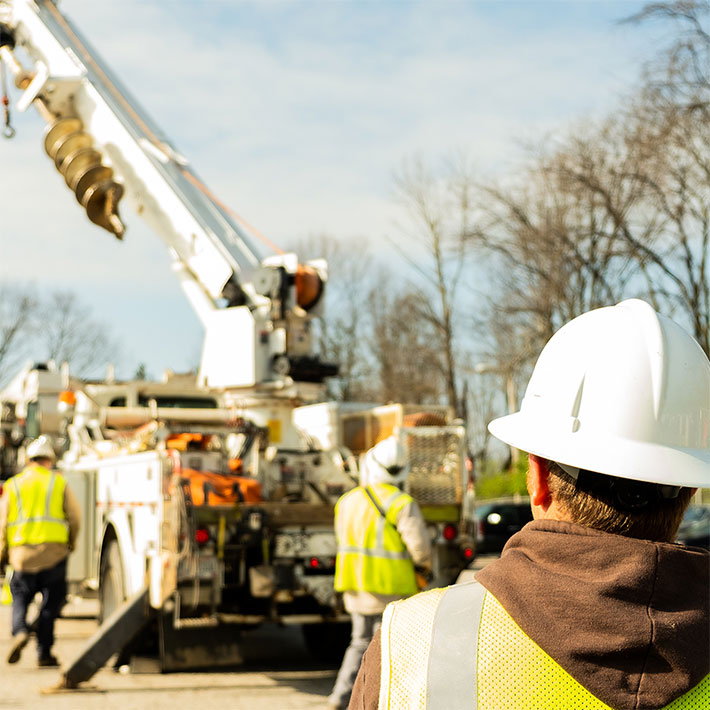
x: 511, y: 393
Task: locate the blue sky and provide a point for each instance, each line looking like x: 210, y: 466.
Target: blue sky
x: 297, y: 114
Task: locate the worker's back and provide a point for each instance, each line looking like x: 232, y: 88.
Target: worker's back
x: 539, y: 630
x: 372, y: 556
x: 36, y: 508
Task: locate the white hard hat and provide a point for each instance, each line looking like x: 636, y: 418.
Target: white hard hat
x: 41, y: 448
x: 622, y: 391
x: 386, y: 462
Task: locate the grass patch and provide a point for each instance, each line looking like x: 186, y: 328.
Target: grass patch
x: 494, y: 483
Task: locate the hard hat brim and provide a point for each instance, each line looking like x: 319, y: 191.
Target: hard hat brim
x: 613, y: 456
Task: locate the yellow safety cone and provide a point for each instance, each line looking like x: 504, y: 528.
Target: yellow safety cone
x: 6, y: 594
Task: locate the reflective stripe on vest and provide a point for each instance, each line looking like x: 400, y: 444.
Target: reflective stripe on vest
x: 36, y: 508
x: 371, y: 554
x: 428, y: 662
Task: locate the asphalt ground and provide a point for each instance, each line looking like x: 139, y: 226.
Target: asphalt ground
x: 277, y: 673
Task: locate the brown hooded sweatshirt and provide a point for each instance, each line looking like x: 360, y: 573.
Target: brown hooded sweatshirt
x: 628, y: 619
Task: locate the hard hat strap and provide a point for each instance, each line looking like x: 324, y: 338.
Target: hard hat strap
x: 571, y: 471
x: 668, y: 491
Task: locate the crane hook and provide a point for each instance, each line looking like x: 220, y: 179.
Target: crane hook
x: 8, y: 131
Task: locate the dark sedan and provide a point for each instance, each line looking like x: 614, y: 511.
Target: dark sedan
x: 497, y: 521
x: 695, y: 527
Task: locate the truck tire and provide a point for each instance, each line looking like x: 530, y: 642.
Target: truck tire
x: 111, y: 588
x: 327, y: 642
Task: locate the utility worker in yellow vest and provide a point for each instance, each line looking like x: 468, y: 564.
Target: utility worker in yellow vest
x: 382, y: 539
x: 592, y: 605
x: 39, y: 522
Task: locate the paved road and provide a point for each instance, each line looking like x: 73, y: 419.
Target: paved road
x: 278, y: 673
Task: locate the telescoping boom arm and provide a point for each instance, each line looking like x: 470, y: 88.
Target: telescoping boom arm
x: 256, y: 312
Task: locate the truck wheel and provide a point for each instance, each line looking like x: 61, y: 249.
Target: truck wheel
x: 111, y: 590
x: 327, y: 642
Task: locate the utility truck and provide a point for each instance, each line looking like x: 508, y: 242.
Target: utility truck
x: 187, y: 501
x: 207, y: 499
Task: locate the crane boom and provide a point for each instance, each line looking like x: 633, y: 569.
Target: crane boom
x: 254, y: 310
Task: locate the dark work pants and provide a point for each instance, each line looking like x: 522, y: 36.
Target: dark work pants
x: 53, y: 586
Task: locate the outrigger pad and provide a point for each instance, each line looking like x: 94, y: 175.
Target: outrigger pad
x: 112, y: 636
x: 194, y: 647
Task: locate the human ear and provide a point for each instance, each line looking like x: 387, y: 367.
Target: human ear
x: 538, y: 486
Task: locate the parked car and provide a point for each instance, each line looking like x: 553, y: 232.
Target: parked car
x: 695, y: 527
x: 497, y: 521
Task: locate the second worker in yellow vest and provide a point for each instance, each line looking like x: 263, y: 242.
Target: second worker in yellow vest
x: 381, y: 538
x: 39, y: 522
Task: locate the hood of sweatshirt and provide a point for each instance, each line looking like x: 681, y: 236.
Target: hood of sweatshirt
x: 628, y: 619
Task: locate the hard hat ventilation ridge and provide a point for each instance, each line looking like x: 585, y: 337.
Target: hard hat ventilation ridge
x: 392, y: 470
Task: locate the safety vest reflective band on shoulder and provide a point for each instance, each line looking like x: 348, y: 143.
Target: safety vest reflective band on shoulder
x: 371, y: 554
x: 451, y: 648
x: 36, y: 508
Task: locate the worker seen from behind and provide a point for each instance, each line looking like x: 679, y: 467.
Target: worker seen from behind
x: 591, y: 605
x: 39, y: 522
x: 382, y: 539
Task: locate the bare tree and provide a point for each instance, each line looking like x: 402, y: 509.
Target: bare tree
x: 438, y: 211
x: 405, y: 348
x: 610, y: 211
x: 679, y: 75
x: 554, y: 253
x: 673, y: 169
x: 69, y: 333
x: 648, y: 175
x: 672, y: 131
x: 18, y: 307
x: 481, y: 408
x: 614, y: 211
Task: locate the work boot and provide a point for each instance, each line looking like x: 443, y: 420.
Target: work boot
x: 49, y: 661
x: 18, y: 643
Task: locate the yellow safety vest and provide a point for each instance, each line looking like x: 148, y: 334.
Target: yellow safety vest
x: 451, y: 648
x: 371, y: 554
x: 36, y: 508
